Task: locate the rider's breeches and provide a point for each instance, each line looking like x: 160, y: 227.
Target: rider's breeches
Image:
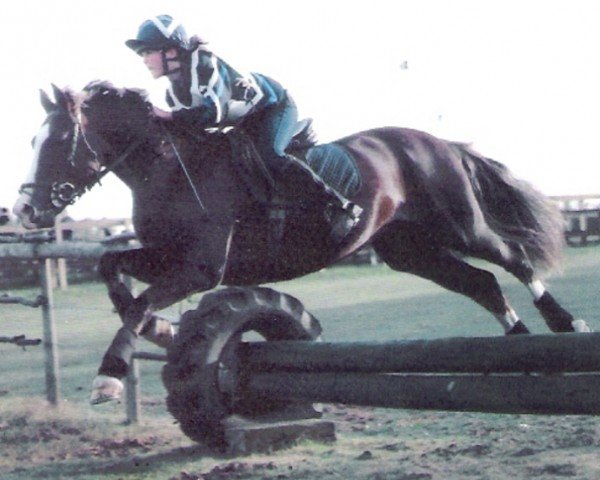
x: 272, y: 130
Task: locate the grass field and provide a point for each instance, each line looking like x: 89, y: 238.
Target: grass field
x: 367, y: 303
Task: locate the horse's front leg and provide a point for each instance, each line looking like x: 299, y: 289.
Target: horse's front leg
x: 188, y: 272
x: 144, y: 264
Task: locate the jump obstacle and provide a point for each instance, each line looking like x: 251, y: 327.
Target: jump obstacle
x: 527, y: 374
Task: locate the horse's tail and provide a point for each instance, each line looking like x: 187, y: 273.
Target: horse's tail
x: 515, y: 210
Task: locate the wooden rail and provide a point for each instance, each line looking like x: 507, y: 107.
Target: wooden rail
x: 510, y: 354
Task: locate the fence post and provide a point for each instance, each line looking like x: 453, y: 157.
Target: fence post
x: 132, y: 392
x: 61, y: 263
x: 50, y: 337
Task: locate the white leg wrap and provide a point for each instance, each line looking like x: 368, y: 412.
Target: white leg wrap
x: 580, y: 326
x: 508, y: 320
x: 105, y: 389
x: 537, y: 289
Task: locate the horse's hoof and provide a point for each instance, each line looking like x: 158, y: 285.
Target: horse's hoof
x: 105, y: 389
x: 160, y: 332
x: 580, y: 326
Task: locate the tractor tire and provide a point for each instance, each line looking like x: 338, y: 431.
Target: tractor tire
x: 201, y: 373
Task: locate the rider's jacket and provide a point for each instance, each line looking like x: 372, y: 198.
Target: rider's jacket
x: 211, y: 93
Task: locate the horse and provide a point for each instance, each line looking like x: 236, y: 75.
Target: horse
x: 429, y: 206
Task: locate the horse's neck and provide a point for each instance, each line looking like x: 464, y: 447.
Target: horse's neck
x: 185, y: 166
x: 131, y: 161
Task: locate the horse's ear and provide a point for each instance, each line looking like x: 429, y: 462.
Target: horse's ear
x: 46, y: 102
x: 60, y: 97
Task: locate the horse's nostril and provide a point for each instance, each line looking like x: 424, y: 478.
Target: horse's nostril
x: 23, y: 210
x: 26, y: 209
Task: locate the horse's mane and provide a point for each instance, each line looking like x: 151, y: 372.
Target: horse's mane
x: 100, y: 98
x: 97, y: 86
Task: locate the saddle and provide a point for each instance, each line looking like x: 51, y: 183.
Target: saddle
x: 330, y: 161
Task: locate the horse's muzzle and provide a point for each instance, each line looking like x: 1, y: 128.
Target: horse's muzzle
x: 31, y: 218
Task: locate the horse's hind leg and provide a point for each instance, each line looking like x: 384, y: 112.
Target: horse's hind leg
x: 404, y: 251
x: 557, y: 318
x: 514, y: 260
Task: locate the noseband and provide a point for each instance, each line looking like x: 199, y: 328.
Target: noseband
x: 62, y: 194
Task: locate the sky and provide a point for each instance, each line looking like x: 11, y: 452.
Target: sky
x: 520, y: 79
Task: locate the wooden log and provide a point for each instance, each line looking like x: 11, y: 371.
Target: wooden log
x: 538, y: 394
x: 569, y: 352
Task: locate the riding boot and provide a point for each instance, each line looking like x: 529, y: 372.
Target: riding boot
x: 296, y: 180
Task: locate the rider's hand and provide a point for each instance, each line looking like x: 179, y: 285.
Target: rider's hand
x: 162, y: 114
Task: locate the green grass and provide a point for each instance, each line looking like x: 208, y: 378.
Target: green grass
x: 353, y: 303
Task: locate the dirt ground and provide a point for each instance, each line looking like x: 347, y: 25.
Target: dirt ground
x: 371, y: 444
x: 381, y: 444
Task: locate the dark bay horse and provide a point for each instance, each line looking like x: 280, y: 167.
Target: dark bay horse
x: 428, y: 204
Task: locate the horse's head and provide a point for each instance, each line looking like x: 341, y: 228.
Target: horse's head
x: 63, y: 163
x: 81, y: 133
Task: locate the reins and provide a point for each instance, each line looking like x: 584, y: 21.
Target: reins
x: 109, y: 168
x: 167, y: 134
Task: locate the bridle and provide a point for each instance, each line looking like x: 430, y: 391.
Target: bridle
x: 63, y: 194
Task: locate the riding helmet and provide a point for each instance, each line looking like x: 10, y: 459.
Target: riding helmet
x: 159, y: 33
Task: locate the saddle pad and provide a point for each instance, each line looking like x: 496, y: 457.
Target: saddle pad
x: 336, y: 167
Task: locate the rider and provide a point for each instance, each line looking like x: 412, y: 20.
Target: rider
x: 204, y: 91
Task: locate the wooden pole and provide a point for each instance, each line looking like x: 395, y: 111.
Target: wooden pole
x: 537, y: 394
x: 50, y: 337
x: 132, y: 392
x: 566, y: 352
x: 61, y: 263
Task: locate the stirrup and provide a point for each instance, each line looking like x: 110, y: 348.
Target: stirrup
x: 343, y: 221
x: 353, y: 210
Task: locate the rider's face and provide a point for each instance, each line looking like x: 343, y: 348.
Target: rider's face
x: 153, y: 61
